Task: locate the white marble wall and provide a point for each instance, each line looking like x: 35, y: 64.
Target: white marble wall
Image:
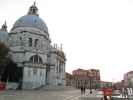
x: 33, y: 80
x: 57, y: 76
x: 21, y: 52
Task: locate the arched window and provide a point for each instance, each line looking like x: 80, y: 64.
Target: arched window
x: 36, y: 42
x: 36, y: 59
x: 30, y: 42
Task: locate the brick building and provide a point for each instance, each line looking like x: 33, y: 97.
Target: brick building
x: 87, y: 78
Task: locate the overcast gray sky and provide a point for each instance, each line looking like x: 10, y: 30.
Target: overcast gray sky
x: 94, y: 33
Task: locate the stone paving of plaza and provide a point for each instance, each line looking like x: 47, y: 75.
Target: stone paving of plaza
x: 72, y: 94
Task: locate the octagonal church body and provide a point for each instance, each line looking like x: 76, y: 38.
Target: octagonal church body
x: 30, y: 47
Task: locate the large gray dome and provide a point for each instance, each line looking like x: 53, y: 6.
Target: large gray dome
x: 31, y: 21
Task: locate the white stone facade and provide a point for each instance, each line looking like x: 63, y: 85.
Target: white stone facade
x: 30, y: 47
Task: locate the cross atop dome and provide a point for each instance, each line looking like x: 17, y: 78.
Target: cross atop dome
x: 4, y: 27
x: 33, y: 10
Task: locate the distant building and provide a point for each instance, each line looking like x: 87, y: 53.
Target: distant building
x: 126, y: 82
x: 88, y: 78
x: 118, y: 85
x: 105, y: 84
x: 95, y: 73
x: 69, y: 79
x: 128, y: 78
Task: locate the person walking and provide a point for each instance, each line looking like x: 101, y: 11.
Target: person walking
x: 84, y: 90
x: 81, y: 89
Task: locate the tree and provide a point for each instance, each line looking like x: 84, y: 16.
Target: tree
x: 4, y: 59
x: 3, y: 54
x: 8, y: 68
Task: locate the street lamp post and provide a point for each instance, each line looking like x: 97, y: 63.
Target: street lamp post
x: 90, y: 86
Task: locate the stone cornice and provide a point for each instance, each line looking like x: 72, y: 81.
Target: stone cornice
x: 31, y: 31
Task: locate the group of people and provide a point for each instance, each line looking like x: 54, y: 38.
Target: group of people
x: 82, y: 90
x: 125, y: 92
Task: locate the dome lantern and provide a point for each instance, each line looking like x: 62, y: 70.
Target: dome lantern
x: 33, y: 10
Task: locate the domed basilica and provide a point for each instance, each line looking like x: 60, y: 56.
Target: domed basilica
x: 38, y: 62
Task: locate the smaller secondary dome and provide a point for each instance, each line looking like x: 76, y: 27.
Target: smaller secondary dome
x: 32, y: 19
x: 4, y: 33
